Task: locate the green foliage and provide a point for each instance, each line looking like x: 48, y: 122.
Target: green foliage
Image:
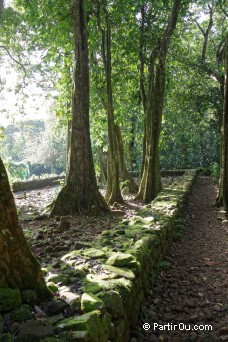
x: 215, y: 172
x: 34, y: 147
x: 39, y: 35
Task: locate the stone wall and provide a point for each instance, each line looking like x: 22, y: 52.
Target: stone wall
x: 127, y: 260
x: 36, y: 183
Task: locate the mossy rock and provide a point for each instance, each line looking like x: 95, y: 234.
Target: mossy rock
x: 90, y: 302
x: 113, y: 303
x: 52, y: 287
x: 33, y: 330
x: 119, y: 259
x: 120, y: 271
x: 94, y: 253
x: 72, y: 255
x: 80, y: 271
x: 122, y: 285
x: 79, y: 336
x: 23, y: 313
x: 59, y: 278
x: 98, y: 329
x: 10, y: 299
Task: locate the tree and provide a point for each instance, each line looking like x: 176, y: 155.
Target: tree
x: 153, y: 100
x: 80, y: 193
x: 18, y: 266
x: 116, y: 160
x: 222, y: 199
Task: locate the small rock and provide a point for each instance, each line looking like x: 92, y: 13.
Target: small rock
x: 56, y: 307
x: 14, y: 327
x: 32, y: 331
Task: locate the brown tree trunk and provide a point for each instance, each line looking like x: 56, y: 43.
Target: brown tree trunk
x: 222, y: 199
x: 124, y: 174
x: 103, y: 165
x: 113, y: 193
x: 153, y: 101
x: 80, y: 193
x: 18, y: 266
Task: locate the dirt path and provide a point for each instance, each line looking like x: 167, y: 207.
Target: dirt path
x: 194, y: 290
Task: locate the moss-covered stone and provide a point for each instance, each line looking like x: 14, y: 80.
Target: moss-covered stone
x: 94, y: 253
x: 80, y: 336
x: 69, y: 297
x: 52, y: 287
x: 23, y: 313
x: 119, y: 259
x: 113, y: 303
x: 90, y: 302
x: 59, y: 278
x: 72, y: 255
x: 81, y: 271
x: 9, y: 299
x: 90, y: 322
x: 32, y: 331
x: 120, y: 271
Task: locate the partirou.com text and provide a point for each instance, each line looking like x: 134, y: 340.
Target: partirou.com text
x: 179, y: 326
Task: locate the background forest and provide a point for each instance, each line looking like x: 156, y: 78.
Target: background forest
x: 36, y: 40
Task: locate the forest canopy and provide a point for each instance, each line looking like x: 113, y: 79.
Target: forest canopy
x: 123, y: 48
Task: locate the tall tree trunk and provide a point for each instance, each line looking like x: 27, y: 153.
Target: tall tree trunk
x: 124, y: 174
x: 80, y: 193
x: 153, y: 101
x: 222, y: 199
x: 113, y: 193
x: 18, y: 266
x: 103, y: 165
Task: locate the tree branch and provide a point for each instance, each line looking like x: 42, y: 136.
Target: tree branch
x: 16, y: 61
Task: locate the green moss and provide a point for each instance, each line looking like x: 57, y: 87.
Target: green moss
x: 90, y: 302
x: 119, y: 259
x: 52, y: 287
x: 9, y: 299
x: 23, y: 313
x: 71, y: 255
x: 29, y: 297
x: 120, y: 271
x: 113, y: 303
x: 59, y: 278
x: 90, y: 322
x: 94, y: 253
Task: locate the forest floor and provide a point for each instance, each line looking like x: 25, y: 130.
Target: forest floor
x: 193, y: 291
x: 45, y: 235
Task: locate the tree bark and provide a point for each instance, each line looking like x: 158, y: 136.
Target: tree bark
x: 124, y: 174
x: 222, y: 199
x: 18, y: 266
x: 153, y: 101
x: 80, y: 193
x: 113, y: 193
